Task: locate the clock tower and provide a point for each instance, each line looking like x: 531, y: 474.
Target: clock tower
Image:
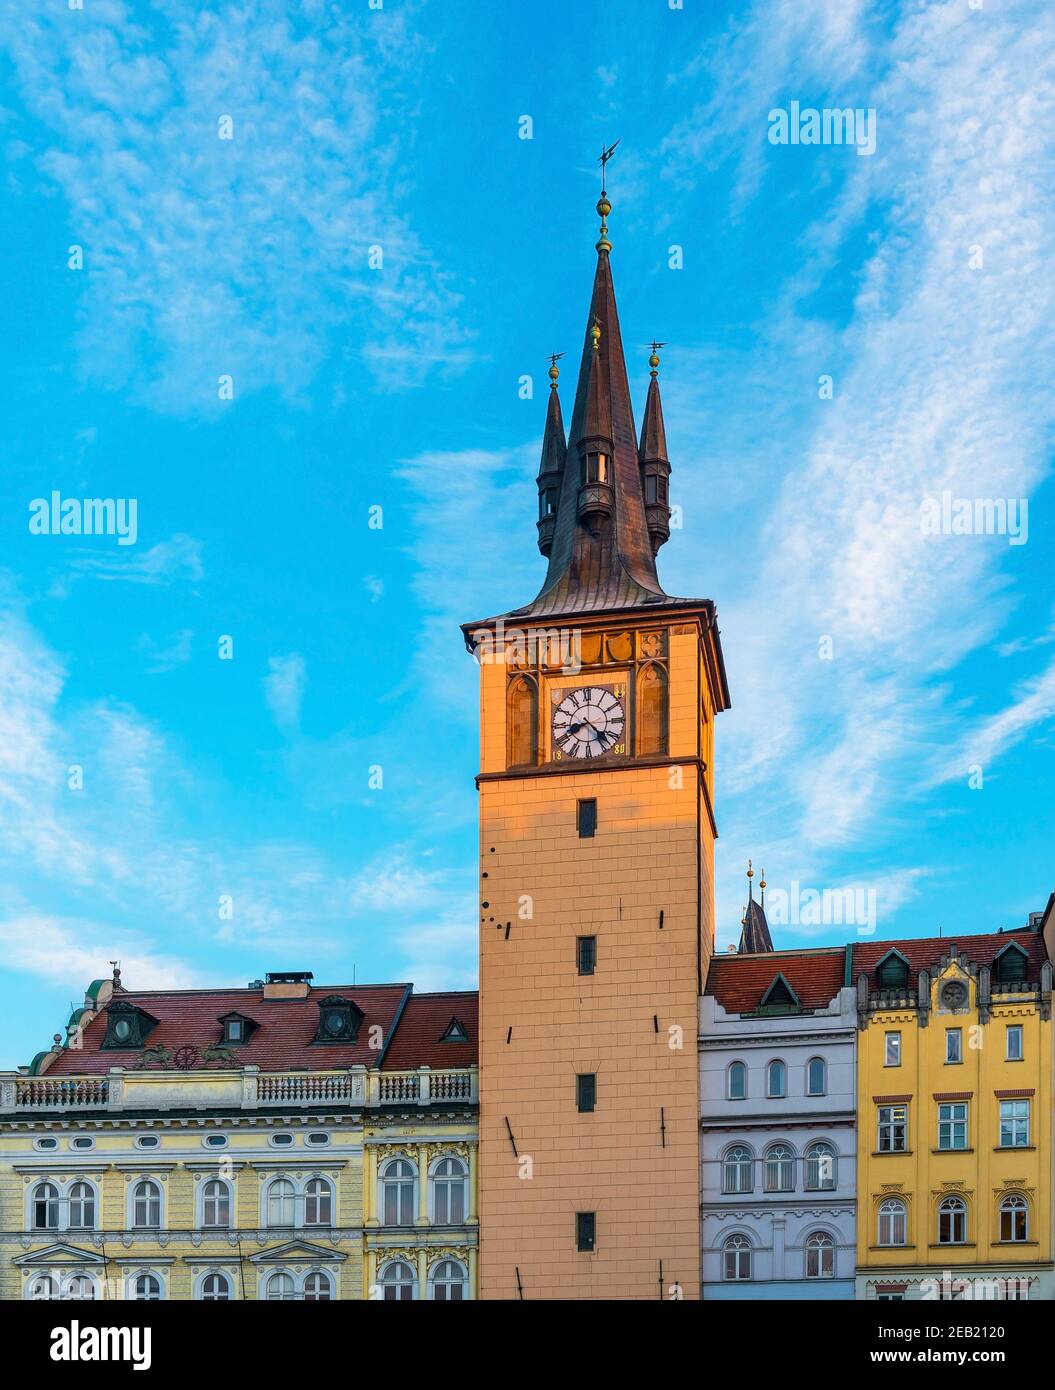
x: 597, y: 832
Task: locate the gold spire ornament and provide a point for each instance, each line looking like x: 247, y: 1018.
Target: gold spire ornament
x: 604, y: 207
x: 653, y: 360
x: 554, y: 358
x: 595, y: 334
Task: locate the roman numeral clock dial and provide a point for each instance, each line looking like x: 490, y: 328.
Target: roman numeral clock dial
x: 589, y: 722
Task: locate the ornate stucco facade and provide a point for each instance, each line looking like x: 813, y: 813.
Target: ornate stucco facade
x: 184, y: 1170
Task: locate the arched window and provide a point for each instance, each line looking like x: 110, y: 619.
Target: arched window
x: 82, y: 1207
x: 448, y: 1192
x: 816, y: 1076
x: 45, y: 1207
x: 216, y: 1204
x: 736, y: 1081
x: 43, y: 1286
x: 820, y: 1167
x: 318, y: 1203
x: 652, y: 710
x: 80, y: 1289
x: 317, y: 1288
x: 1014, y: 1218
x: 397, y: 1192
x: 449, y: 1281
x: 893, y: 1222
x: 820, y: 1256
x: 780, y: 1169
x: 738, y: 1170
x: 281, y: 1203
x: 736, y: 1258
x: 146, y: 1288
x: 146, y: 1204
x: 522, y: 723
x: 216, y: 1288
x: 776, y: 1080
x: 952, y: 1221
x: 280, y: 1288
x: 397, y: 1281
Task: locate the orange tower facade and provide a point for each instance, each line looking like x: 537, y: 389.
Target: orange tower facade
x: 597, y: 832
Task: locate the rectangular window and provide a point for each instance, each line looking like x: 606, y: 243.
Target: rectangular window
x: 585, y: 1091
x: 953, y: 1045
x: 586, y: 954
x: 1014, y: 1042
x: 585, y: 1230
x: 952, y: 1125
x: 893, y: 1050
x: 587, y: 819
x: 651, y: 488
x: 893, y: 1129
x: 1014, y: 1124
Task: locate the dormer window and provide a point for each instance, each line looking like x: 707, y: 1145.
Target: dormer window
x: 127, y: 1026
x: 339, y: 1020
x: 455, y: 1032
x: 596, y: 468
x: 1011, y: 964
x: 892, y: 971
x: 237, y: 1029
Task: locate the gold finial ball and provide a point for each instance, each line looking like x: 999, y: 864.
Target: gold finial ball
x: 595, y: 334
x: 750, y: 871
x: 553, y: 375
x: 604, y: 207
x: 653, y: 361
x: 762, y: 879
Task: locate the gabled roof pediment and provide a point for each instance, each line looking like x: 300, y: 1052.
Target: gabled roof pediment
x: 60, y: 1255
x: 295, y: 1252
x: 779, y: 993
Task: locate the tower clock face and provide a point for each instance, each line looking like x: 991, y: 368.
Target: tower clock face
x: 589, y: 722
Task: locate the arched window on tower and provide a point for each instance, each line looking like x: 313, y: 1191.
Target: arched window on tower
x: 652, y: 710
x: 522, y: 723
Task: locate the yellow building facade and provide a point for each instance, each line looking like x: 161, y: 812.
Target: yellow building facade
x: 190, y: 1172
x: 954, y: 1115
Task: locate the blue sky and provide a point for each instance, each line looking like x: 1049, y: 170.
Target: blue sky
x: 357, y: 387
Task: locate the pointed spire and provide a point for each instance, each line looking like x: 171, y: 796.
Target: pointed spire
x: 551, y: 469
x: 601, y: 556
x: 755, y: 935
x: 652, y: 455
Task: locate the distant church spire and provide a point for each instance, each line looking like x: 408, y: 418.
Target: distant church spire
x: 755, y: 934
x: 601, y: 545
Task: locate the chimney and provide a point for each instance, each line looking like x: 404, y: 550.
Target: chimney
x: 288, y: 984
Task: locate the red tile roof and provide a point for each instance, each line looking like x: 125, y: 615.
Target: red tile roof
x: 924, y: 953
x: 283, y: 1038
x: 739, y: 982
x: 424, y: 1022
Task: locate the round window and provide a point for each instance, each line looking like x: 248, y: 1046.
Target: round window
x: 335, y: 1023
x: 122, y: 1030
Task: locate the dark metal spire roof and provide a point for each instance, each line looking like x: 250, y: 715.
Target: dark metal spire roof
x: 755, y: 936
x: 613, y: 568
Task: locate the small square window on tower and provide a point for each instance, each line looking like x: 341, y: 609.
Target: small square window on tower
x: 585, y: 1230
x: 586, y: 1091
x: 587, y: 819
x: 586, y: 954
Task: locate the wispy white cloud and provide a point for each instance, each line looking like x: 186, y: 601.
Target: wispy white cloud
x: 252, y: 256
x: 168, y: 654
x: 1031, y: 709
x: 66, y: 951
x: 177, y: 558
x: 284, y: 687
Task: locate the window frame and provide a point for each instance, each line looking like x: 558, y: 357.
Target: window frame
x: 892, y: 1044
x: 823, y: 1064
x: 889, y: 1127
x: 893, y: 1211
x: 742, y: 1071
x: 953, y: 1124
x: 771, y: 1094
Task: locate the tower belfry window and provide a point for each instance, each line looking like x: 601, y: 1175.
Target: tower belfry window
x: 596, y: 468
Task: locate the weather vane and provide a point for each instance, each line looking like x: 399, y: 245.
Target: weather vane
x: 554, y: 358
x: 605, y: 157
